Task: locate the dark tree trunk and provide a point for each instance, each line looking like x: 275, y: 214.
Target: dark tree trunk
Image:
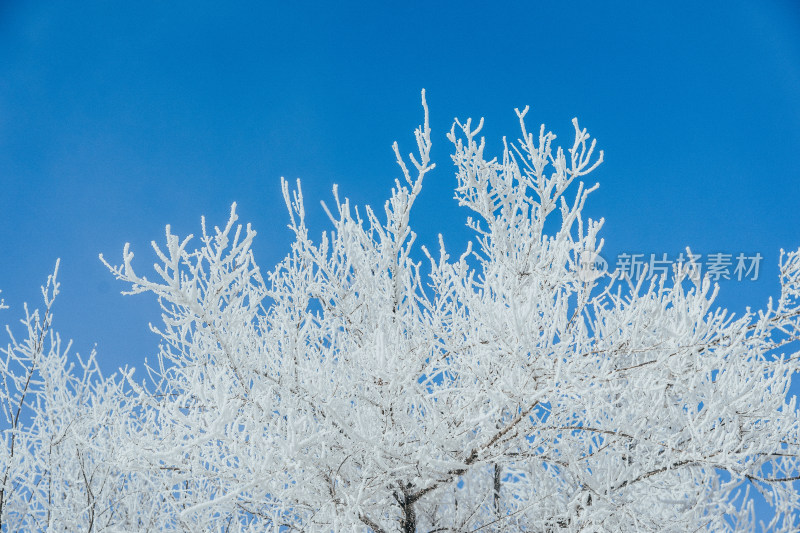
x: 498, y: 474
x: 409, y: 520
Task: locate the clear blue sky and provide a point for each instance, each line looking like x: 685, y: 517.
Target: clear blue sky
x: 117, y: 118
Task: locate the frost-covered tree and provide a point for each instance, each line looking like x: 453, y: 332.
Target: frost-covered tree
x: 362, y: 385
x: 63, y: 428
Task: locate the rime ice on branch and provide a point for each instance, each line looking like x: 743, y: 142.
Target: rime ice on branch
x: 355, y: 387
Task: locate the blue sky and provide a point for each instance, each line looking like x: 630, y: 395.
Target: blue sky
x: 117, y: 118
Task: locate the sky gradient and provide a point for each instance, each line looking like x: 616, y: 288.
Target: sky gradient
x: 117, y: 118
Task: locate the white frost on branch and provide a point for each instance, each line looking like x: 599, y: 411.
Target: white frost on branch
x: 354, y: 388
